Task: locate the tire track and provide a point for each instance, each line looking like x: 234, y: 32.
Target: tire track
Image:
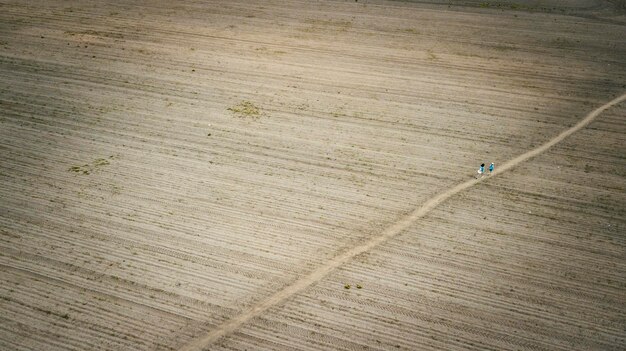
x: 231, y: 325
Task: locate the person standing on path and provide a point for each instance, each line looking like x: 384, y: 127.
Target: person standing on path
x: 481, y: 170
x: 491, y: 168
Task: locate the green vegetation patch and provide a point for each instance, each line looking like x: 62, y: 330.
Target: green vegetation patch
x: 101, y: 162
x: 323, y: 25
x: 500, y: 5
x: 95, y: 34
x: 246, y: 109
x: 84, y: 169
x: 89, y: 168
x: 323, y: 22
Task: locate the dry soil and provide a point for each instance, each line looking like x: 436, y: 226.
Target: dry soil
x: 201, y: 175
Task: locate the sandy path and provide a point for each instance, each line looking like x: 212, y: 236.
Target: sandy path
x: 315, y: 276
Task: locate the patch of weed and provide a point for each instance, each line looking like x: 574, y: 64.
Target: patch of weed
x: 321, y: 22
x: 321, y: 25
x: 246, y: 109
x: 77, y: 169
x: 100, y: 162
x: 265, y: 50
x: 89, y: 168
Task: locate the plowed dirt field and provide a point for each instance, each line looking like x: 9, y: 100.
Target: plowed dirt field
x: 299, y: 175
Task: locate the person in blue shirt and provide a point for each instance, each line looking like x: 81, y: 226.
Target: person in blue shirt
x: 491, y: 168
x: 481, y: 170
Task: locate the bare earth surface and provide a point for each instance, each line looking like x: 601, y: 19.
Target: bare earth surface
x: 201, y: 175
